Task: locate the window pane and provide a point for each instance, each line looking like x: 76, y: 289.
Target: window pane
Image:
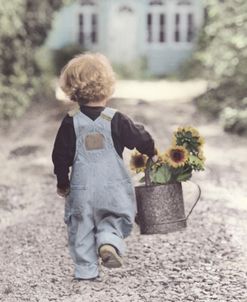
x: 81, y: 33
x: 81, y: 19
x: 190, y: 32
x: 177, y: 28
x: 149, y: 28
x: 94, y: 34
x: 162, y: 32
x: 162, y: 19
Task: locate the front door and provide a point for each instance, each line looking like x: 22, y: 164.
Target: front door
x: 122, y: 33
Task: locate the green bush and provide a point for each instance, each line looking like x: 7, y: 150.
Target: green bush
x: 137, y: 69
x: 24, y: 27
x: 61, y: 56
x: 222, y: 55
x: 234, y: 120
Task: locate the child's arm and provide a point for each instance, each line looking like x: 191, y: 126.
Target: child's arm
x: 133, y: 135
x: 63, y: 154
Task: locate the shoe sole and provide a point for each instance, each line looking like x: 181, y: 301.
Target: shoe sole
x: 96, y: 279
x: 110, y: 258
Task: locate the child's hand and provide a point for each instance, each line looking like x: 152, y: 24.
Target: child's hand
x: 62, y: 192
x: 155, y: 158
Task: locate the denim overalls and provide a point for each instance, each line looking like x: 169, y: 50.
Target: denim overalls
x: 101, y: 206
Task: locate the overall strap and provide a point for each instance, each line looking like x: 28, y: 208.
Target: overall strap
x: 79, y: 119
x: 108, y: 113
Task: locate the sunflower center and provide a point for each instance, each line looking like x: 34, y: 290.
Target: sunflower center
x: 177, y: 156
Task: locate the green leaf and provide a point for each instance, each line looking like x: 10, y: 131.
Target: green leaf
x: 188, y: 134
x: 184, y: 176
x: 162, y: 175
x: 196, y: 162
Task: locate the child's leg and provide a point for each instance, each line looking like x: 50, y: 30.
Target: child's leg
x: 111, y: 229
x: 82, y: 246
x: 114, y: 212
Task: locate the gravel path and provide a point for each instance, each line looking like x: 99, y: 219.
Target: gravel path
x: 206, y: 262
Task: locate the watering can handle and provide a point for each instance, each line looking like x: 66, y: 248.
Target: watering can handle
x: 148, y: 183
x: 197, y: 199
x: 147, y: 172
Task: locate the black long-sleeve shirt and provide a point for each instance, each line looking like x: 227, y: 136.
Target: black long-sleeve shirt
x: 125, y: 133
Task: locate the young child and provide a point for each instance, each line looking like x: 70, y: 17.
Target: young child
x: 100, y: 200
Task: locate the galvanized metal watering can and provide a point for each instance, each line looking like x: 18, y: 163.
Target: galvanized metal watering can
x: 161, y: 207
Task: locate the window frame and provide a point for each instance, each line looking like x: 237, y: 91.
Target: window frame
x: 153, y: 31
x: 88, y: 29
x: 184, y: 8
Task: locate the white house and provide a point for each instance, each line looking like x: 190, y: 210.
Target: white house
x: 162, y: 31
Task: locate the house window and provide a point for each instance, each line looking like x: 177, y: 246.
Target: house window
x: 81, y: 29
x: 156, y: 28
x: 88, y: 28
x: 190, y: 31
x: 177, y: 28
x: 162, y: 33
x: 150, y: 27
x: 94, y: 34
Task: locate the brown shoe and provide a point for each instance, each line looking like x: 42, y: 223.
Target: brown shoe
x: 110, y: 257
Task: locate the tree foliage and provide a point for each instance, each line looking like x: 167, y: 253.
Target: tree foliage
x: 225, y: 42
x: 24, y: 27
x: 222, y: 53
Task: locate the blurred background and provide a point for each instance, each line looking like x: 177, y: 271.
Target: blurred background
x: 145, y: 40
x: 178, y: 62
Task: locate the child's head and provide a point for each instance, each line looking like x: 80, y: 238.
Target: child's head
x: 88, y: 78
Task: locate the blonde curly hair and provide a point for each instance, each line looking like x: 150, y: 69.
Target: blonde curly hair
x: 88, y: 77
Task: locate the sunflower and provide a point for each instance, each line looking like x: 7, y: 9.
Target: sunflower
x: 162, y: 158
x: 201, y: 156
x: 177, y: 156
x: 201, y: 141
x: 190, y: 129
x: 138, y: 161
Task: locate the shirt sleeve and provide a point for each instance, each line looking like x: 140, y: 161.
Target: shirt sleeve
x: 134, y: 135
x: 64, y: 151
